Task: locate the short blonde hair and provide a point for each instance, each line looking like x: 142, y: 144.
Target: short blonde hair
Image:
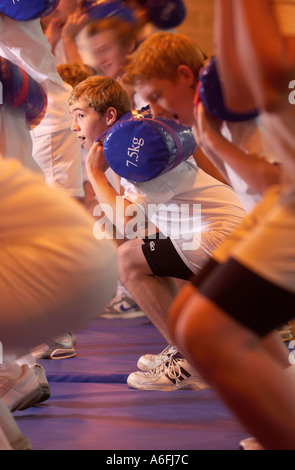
x: 160, y: 55
x: 73, y: 74
x: 102, y: 93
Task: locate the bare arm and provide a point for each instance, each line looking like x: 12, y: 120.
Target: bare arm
x: 107, y: 196
x: 53, y: 32
x: 258, y: 173
x: 212, y: 166
x: 75, y: 23
x: 104, y: 191
x: 269, y: 58
x: 237, y: 93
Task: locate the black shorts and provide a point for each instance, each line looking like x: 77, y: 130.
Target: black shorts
x: 164, y: 260
x: 255, y: 302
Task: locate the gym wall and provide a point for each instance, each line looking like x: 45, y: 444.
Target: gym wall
x: 199, y: 23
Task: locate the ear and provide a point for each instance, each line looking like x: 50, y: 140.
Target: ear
x: 186, y: 75
x: 111, y: 116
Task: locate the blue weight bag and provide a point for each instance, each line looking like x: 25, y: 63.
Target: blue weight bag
x: 99, y: 9
x: 166, y: 14
x: 141, y: 148
x: 211, y: 95
x: 25, y: 10
x: 22, y: 92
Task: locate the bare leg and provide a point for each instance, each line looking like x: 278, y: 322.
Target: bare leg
x: 274, y: 345
x: 231, y: 359
x: 152, y: 294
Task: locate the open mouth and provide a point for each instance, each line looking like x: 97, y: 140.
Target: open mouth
x: 83, y: 141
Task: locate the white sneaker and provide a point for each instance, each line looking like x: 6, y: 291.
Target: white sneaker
x: 152, y: 361
x: 19, y: 387
x: 40, y: 374
x: 122, y: 306
x: 174, y: 374
x: 58, y: 348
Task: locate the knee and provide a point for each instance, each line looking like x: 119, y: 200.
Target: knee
x: 211, y: 339
x: 128, y: 264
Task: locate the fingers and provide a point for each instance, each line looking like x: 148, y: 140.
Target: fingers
x: 78, y: 19
x: 97, y: 145
x: 96, y: 160
x: 199, y: 116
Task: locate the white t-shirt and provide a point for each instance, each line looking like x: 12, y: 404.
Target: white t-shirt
x: 55, y: 147
x: 24, y: 44
x: 195, y: 210
x: 15, y: 140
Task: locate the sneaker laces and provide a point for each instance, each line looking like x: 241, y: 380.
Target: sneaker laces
x: 174, y: 369
x: 167, y: 350
x: 171, y: 367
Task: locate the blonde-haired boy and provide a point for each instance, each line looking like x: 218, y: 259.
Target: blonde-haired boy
x: 148, y: 266
x: 100, y: 94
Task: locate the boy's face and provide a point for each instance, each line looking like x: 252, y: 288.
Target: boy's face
x: 109, y: 55
x: 87, y: 124
x: 165, y: 96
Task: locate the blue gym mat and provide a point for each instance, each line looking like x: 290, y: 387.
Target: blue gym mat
x: 92, y: 408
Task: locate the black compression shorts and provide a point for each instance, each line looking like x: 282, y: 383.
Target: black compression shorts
x: 255, y: 302
x: 164, y: 260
